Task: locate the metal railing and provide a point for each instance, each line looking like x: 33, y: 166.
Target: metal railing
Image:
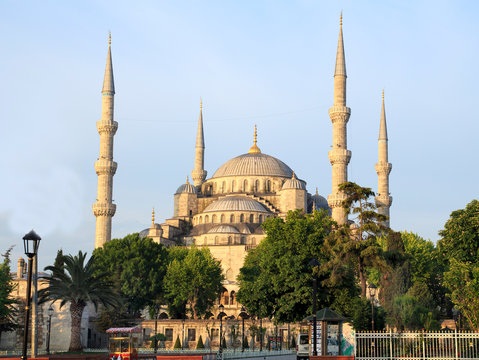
x: 440, y: 345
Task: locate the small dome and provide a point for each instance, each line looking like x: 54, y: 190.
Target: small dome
x: 224, y: 229
x: 293, y: 183
x: 236, y: 203
x: 254, y: 164
x: 319, y: 201
x: 186, y: 188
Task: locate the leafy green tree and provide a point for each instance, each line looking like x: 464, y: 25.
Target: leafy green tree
x: 7, y: 301
x: 138, y: 265
x: 77, y: 284
x: 276, y: 279
x: 193, y: 283
x: 460, y: 236
x: 200, y: 344
x: 358, y: 244
x: 408, y: 314
x: 462, y: 279
x: 177, y: 343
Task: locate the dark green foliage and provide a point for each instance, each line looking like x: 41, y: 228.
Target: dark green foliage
x: 177, y: 343
x: 293, y: 343
x: 200, y: 344
x: 117, y: 316
x: 409, y: 314
x: 59, y: 262
x: 7, y: 301
x: 138, y: 266
x: 276, y: 278
x: 223, y: 345
x: 160, y: 339
x: 77, y: 284
x: 192, y: 282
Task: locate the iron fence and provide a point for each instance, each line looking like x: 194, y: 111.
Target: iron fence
x: 417, y: 345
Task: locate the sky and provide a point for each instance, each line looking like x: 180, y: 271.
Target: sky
x: 263, y: 62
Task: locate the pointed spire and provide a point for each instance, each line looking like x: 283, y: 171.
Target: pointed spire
x: 200, y: 140
x: 255, y: 149
x: 153, y: 217
x: 383, y: 131
x: 108, y: 83
x: 340, y: 59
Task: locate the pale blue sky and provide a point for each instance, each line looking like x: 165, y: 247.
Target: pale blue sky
x: 268, y: 63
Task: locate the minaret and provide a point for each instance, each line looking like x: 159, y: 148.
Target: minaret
x: 105, y: 167
x: 339, y: 156
x: 199, y: 173
x: 383, y: 168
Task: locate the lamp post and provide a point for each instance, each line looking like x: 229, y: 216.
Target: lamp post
x: 50, y: 313
x: 157, y: 311
x: 372, y: 293
x: 314, y: 264
x: 260, y: 334
x: 243, y: 316
x: 221, y: 308
x: 30, y: 244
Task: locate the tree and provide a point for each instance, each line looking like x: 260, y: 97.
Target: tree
x: 7, y: 301
x: 77, y: 284
x: 177, y: 343
x: 276, y: 279
x: 138, y: 265
x: 193, y: 283
x: 460, y: 236
x: 358, y: 244
x: 200, y: 344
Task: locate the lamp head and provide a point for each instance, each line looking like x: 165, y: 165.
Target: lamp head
x: 50, y: 311
x: 30, y: 243
x: 372, y: 290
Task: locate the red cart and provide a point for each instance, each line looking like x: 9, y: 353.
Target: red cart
x: 123, y: 343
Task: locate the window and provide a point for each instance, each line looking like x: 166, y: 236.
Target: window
x: 214, y: 333
x: 243, y: 240
x: 232, y: 218
x: 242, y: 218
x: 191, y: 212
x: 245, y: 185
x: 251, y: 218
x: 222, y: 218
x: 229, y: 240
x: 201, y: 219
x: 268, y: 185
x: 226, y: 298
x: 191, y: 334
x: 223, y: 186
x: 260, y: 219
x: 256, y: 185
x: 233, y: 186
x: 216, y: 240
x: 207, y: 219
x: 169, y: 334
x: 232, y: 298
x: 213, y: 219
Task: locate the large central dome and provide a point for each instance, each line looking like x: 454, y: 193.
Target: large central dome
x: 254, y: 164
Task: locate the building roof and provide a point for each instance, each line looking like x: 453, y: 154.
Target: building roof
x: 294, y: 183
x: 254, y: 164
x: 224, y: 229
x: 327, y: 314
x: 186, y: 188
x: 236, y: 203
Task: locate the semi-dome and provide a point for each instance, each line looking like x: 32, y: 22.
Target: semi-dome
x: 186, y: 188
x: 224, y: 229
x: 293, y: 183
x: 256, y: 164
x: 236, y: 203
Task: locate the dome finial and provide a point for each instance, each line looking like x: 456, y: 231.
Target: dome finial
x: 187, y: 179
x: 255, y: 149
x: 294, y: 175
x: 153, y: 217
x: 316, y: 192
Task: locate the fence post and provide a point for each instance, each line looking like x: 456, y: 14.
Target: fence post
x: 355, y: 344
x: 423, y: 346
x: 391, y: 344
x: 455, y: 344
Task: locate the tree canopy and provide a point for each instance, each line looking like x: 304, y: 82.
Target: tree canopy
x: 7, y: 301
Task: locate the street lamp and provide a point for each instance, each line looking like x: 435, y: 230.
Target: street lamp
x: 221, y: 308
x: 260, y: 334
x: 156, y: 312
x: 372, y: 293
x: 30, y: 244
x: 314, y: 264
x: 243, y: 316
x: 50, y: 313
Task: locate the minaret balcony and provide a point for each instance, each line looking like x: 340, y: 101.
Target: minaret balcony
x: 383, y: 168
x: 336, y: 200
x: 383, y: 200
x: 339, y: 114
x: 104, y: 209
x: 339, y: 156
x: 105, y: 167
x: 107, y: 126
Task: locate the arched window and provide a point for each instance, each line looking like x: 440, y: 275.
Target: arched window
x: 201, y: 219
x: 232, y: 298
x: 251, y: 218
x: 226, y: 298
x: 243, y: 240
x: 260, y: 218
x: 223, y: 187
x: 242, y: 218
x: 253, y: 241
x: 232, y: 218
x: 213, y: 218
x: 207, y: 219
x: 245, y: 185
x: 268, y: 185
x: 216, y: 240
x: 229, y: 240
x: 222, y: 218
x: 233, y: 186
x: 191, y: 212
x: 256, y: 185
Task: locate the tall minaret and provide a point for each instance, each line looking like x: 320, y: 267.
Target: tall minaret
x: 339, y: 156
x: 105, y: 167
x: 199, y: 173
x: 383, y: 168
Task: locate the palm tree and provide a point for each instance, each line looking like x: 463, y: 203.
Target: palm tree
x: 77, y: 284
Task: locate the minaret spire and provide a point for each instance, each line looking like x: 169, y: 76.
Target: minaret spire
x: 383, y: 167
x: 199, y: 174
x: 105, y: 167
x: 339, y: 156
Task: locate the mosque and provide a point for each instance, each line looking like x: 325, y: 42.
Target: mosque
x: 225, y: 212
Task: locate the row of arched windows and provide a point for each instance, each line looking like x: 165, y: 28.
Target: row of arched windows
x: 244, y: 185
x: 221, y: 219
x: 227, y: 240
